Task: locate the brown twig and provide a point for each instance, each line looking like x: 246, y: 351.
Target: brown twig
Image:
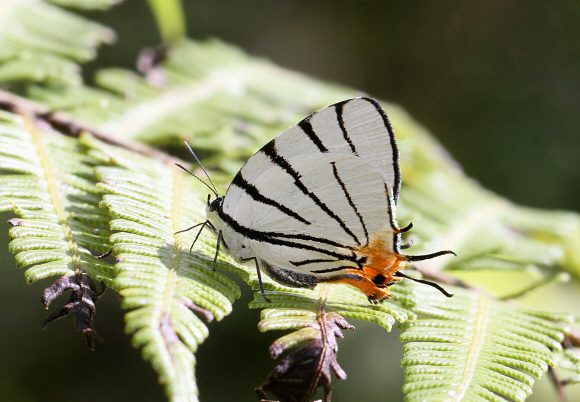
x: 557, y: 384
x: 572, y: 339
x: 73, y: 127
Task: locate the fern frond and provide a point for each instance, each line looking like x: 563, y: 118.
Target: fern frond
x: 486, y: 231
x: 86, y: 4
x: 222, y: 100
x: 48, y: 181
x: 213, y: 95
x: 229, y: 104
x: 472, y: 347
x: 42, y: 42
x: 159, y: 279
x: 294, y: 308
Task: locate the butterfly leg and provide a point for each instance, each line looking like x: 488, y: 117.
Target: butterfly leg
x: 217, y: 249
x: 197, y: 236
x: 203, y: 225
x: 189, y: 228
x: 259, y: 276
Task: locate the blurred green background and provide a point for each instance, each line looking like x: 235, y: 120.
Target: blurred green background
x: 497, y: 83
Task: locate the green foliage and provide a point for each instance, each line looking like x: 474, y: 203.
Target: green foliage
x: 77, y: 196
x: 487, y: 232
x: 292, y: 308
x: 86, y: 4
x: 159, y: 279
x: 211, y: 94
x: 472, y: 347
x: 41, y: 42
x: 50, y: 185
x: 170, y: 19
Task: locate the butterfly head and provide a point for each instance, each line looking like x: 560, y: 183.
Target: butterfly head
x: 212, y: 210
x: 214, y: 205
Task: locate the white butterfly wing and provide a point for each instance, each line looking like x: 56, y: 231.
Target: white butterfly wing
x: 311, y: 213
x: 317, y: 203
x: 357, y: 127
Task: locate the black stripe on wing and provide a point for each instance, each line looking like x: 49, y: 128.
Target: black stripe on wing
x: 350, y: 201
x: 394, y: 226
x: 394, y: 148
x: 253, y: 192
x: 270, y: 150
x: 339, y: 108
x: 306, y: 126
x: 323, y: 271
x: 311, y: 261
x: 277, y: 238
x: 359, y: 260
x: 325, y: 260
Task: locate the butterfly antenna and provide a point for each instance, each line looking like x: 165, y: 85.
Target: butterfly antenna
x: 202, y: 168
x: 208, y: 186
x: 423, y: 281
x: 414, y: 258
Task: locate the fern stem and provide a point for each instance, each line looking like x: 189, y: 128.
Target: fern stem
x: 165, y: 322
x: 475, y: 347
x: 52, y: 187
x: 149, y: 112
x: 74, y: 125
x: 174, y: 265
x: 170, y: 18
x: 176, y: 212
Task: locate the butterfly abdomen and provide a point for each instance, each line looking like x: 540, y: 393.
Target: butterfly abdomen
x: 290, y: 278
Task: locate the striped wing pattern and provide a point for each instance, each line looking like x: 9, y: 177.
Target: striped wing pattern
x: 357, y: 127
x: 319, y: 191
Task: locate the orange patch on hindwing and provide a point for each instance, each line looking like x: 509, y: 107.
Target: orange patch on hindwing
x: 380, y: 256
x: 380, y: 265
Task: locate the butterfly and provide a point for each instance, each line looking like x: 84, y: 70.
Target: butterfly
x: 317, y: 204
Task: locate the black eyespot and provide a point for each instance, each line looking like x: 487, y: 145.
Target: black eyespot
x: 243, y: 246
x: 379, y: 279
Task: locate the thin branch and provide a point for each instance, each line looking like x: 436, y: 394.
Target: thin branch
x: 557, y: 384
x: 73, y: 127
x: 572, y: 339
